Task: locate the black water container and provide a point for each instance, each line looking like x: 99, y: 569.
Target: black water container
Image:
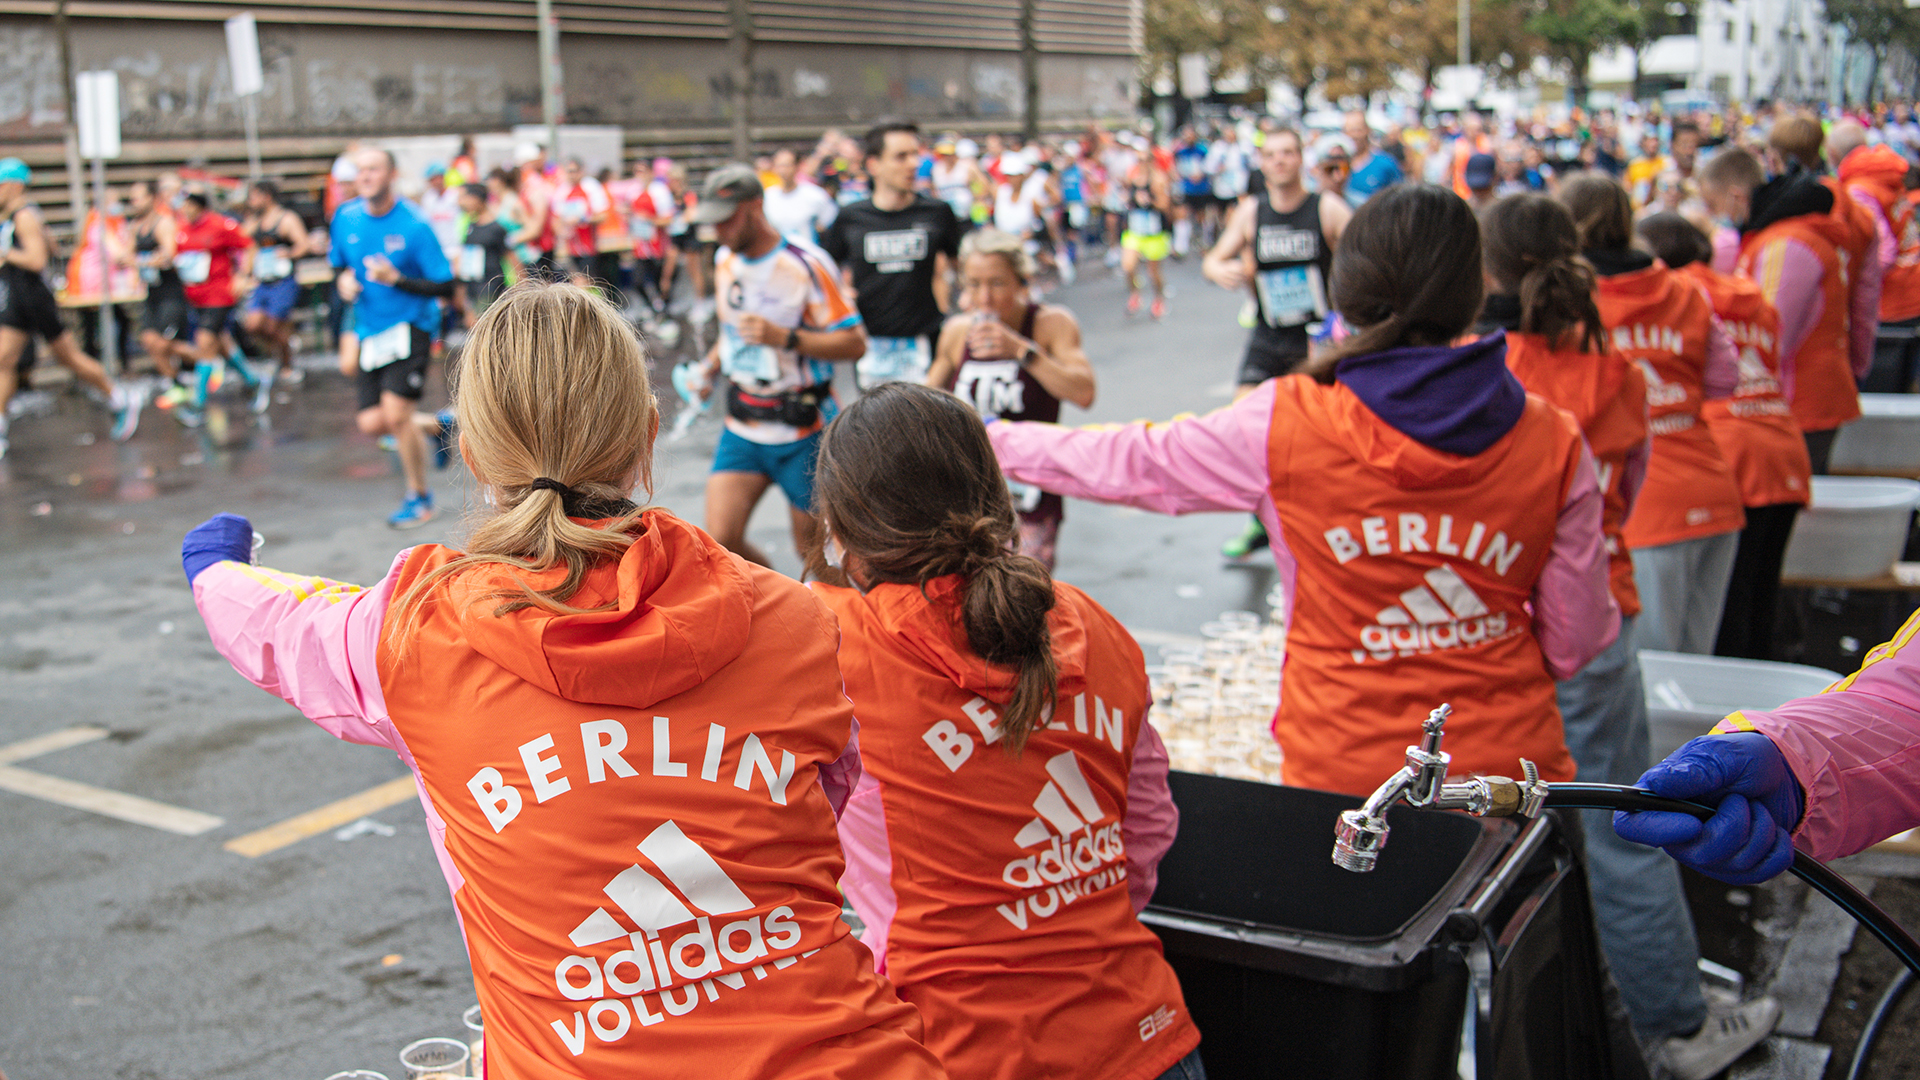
x: 1293, y: 967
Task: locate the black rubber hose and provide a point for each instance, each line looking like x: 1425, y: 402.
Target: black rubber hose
x: 1870, y: 1034
x: 1577, y: 796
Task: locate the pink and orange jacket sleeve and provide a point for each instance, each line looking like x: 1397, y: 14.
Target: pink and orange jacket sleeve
x: 1855, y: 748
x: 1218, y: 462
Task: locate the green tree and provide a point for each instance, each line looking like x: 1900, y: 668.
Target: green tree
x: 1571, y: 31
x: 1877, y: 25
x: 1652, y: 20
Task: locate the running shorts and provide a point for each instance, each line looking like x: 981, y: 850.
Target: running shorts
x: 212, y: 319
x: 165, y: 313
x: 1263, y: 361
x: 406, y: 378
x: 788, y: 464
x: 1152, y: 247
x: 275, y: 299
x: 27, y: 305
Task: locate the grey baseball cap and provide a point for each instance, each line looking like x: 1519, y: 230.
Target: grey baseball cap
x: 726, y: 188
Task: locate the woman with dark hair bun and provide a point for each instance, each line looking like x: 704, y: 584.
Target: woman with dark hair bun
x: 1687, y: 520
x: 1437, y: 531
x: 1014, y: 804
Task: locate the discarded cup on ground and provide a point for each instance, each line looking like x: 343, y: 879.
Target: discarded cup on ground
x: 427, y: 1059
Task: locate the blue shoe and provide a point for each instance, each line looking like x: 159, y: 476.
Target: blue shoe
x: 443, y: 439
x: 413, y: 513
x: 126, y: 418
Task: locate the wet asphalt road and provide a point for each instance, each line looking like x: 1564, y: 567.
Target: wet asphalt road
x: 132, y: 952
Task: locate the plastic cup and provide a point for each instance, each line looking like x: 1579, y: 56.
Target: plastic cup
x: 358, y: 1074
x: 431, y: 1059
x: 475, y: 1023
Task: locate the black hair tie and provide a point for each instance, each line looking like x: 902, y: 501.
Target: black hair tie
x: 582, y: 504
x: 547, y: 483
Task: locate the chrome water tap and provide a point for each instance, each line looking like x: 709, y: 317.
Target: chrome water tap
x: 1421, y: 782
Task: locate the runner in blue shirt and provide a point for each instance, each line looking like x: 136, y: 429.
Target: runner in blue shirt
x: 1193, y: 193
x: 391, y: 269
x: 1372, y: 168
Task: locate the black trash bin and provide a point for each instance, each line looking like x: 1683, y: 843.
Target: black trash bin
x: 1295, y: 968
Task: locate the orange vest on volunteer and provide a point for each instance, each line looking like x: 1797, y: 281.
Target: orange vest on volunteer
x: 995, y: 887
x: 1881, y: 173
x: 1754, y: 427
x: 1821, y: 389
x: 1608, y: 397
x: 633, y: 807
x: 1662, y: 323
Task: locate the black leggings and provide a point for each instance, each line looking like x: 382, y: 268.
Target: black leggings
x: 1746, y: 623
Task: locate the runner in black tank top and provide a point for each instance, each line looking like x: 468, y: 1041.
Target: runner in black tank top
x: 1012, y: 358
x: 281, y: 237
x: 166, y: 326
x: 1292, y: 264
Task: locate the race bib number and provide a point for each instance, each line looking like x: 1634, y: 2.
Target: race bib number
x: 571, y: 210
x: 1292, y: 295
x: 383, y: 348
x: 473, y: 262
x: 1143, y: 222
x: 744, y: 361
x: 1077, y: 215
x: 150, y: 275
x: 895, y: 359
x: 1026, y: 497
x: 193, y: 266
x: 642, y: 229
x: 272, y: 264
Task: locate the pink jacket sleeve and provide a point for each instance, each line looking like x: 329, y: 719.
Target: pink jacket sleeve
x: 309, y: 641
x: 1574, y: 614
x: 1152, y: 820
x: 1212, y: 462
x: 1722, y: 375
x: 1855, y: 749
x: 1789, y: 273
x: 1633, y: 474
x: 839, y: 777
x: 1869, y: 282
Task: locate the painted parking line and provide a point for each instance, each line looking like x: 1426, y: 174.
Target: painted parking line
x: 113, y: 804
x: 331, y: 816
x: 98, y: 800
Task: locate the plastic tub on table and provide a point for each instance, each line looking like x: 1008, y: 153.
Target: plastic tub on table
x: 1853, y: 530
x: 1295, y: 968
x: 1688, y: 694
x: 1884, y: 440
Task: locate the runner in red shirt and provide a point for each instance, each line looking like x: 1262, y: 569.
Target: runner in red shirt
x: 212, y: 253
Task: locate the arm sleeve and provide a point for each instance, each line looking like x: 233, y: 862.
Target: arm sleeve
x: 1633, y: 474
x: 1722, y: 374
x: 949, y: 241
x: 1788, y: 273
x: 423, y: 287
x: 1574, y: 613
x: 828, y: 307
x: 309, y: 641
x: 1864, y: 299
x: 336, y: 251
x: 429, y: 258
x: 1855, y: 749
x: 835, y: 244
x: 1152, y: 819
x: 1213, y: 462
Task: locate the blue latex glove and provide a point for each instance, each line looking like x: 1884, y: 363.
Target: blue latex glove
x: 217, y: 539
x: 1748, y: 839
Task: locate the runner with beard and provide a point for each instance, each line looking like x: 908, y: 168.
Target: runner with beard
x: 897, y: 247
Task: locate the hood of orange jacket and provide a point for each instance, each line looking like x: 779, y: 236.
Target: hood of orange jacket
x: 1584, y: 389
x: 934, y: 633
x: 677, y: 611
x: 1880, y: 170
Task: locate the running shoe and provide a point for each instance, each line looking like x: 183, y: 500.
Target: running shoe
x: 1133, y: 303
x: 1068, y: 272
x: 1251, y: 539
x: 127, y: 401
x: 3, y: 434
x: 416, y: 511
x: 443, y: 439
x: 188, y: 416
x: 291, y: 376
x: 1159, y: 308
x: 1730, y: 1031
x: 387, y: 443
x: 263, y: 388
x: 174, y: 395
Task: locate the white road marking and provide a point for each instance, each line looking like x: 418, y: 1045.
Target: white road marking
x: 113, y: 804
x: 98, y: 800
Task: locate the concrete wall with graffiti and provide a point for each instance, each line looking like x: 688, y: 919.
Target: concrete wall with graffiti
x: 338, y: 79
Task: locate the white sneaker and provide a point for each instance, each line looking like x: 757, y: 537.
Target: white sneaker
x: 1730, y: 1030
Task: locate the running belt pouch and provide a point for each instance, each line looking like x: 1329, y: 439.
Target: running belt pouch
x: 797, y: 408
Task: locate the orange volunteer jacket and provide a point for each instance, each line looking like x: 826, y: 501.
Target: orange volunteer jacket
x: 1414, y: 589
x: 1608, y: 398
x: 1754, y: 427
x: 997, y: 885
x: 1662, y: 322
x: 633, y: 807
x: 1881, y: 173
x: 1822, y: 393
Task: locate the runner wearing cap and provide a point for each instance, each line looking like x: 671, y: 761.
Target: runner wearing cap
x: 27, y: 306
x: 784, y: 319
x: 898, y: 248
